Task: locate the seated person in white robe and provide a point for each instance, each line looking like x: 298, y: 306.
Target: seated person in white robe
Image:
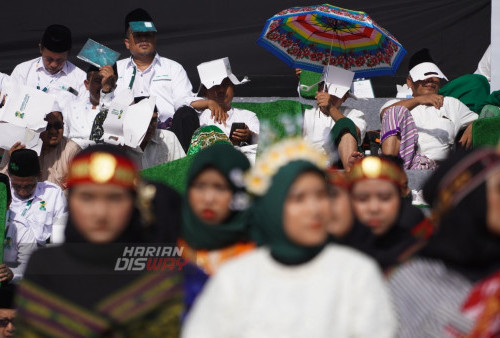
x: 330, y: 122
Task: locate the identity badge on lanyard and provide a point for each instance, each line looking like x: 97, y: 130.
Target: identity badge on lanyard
x: 27, y: 207
x: 53, y: 79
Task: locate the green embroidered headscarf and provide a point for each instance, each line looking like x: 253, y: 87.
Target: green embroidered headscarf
x: 267, y: 216
x: 231, y: 164
x: 206, y: 136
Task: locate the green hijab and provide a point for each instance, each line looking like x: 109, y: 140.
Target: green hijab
x: 267, y: 216
x: 231, y: 164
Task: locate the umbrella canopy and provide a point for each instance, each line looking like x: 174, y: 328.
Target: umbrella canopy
x: 314, y: 36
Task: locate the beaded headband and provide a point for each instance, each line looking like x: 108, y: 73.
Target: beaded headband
x: 376, y: 167
x: 103, y: 168
x: 278, y: 155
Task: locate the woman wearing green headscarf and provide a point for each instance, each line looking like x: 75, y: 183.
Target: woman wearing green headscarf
x: 295, y: 284
x: 214, y: 215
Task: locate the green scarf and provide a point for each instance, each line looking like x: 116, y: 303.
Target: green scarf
x: 232, y: 164
x: 267, y: 216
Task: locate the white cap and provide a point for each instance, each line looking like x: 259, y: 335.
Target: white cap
x: 212, y: 73
x: 337, y: 80
x: 426, y: 70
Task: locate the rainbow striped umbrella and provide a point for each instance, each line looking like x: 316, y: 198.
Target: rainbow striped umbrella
x: 313, y: 36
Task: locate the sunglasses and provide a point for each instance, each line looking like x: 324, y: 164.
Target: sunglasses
x: 25, y: 187
x: 55, y: 125
x: 5, y: 321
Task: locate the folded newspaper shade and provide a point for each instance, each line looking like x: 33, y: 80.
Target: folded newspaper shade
x: 97, y: 54
x: 127, y: 125
x: 10, y: 134
x: 26, y: 106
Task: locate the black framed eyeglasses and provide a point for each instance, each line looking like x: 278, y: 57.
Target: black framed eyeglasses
x: 55, y: 125
x: 5, y: 321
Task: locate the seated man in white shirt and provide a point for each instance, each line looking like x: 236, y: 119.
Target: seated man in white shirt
x: 18, y: 245
x: 422, y: 129
x: 146, y: 73
x: 39, y: 206
x: 52, y: 72
x: 330, y: 122
x: 80, y: 115
x: 218, y: 84
x: 158, y: 146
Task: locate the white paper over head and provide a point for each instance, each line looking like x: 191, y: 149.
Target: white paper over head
x: 337, y: 80
x: 426, y: 70
x: 26, y: 106
x: 362, y: 89
x: 212, y: 73
x: 10, y: 134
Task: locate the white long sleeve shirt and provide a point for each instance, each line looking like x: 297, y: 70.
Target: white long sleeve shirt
x: 19, y: 243
x: 164, y: 78
x: 44, y: 210
x: 32, y: 73
x: 339, y: 293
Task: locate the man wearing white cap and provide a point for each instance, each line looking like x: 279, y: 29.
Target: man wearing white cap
x: 218, y: 83
x: 330, y: 121
x: 422, y: 129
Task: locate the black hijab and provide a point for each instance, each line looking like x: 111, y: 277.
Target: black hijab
x: 85, y: 272
x: 390, y: 248
x: 462, y: 240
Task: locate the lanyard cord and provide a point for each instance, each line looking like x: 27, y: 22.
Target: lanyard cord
x: 131, y: 84
x: 52, y: 80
